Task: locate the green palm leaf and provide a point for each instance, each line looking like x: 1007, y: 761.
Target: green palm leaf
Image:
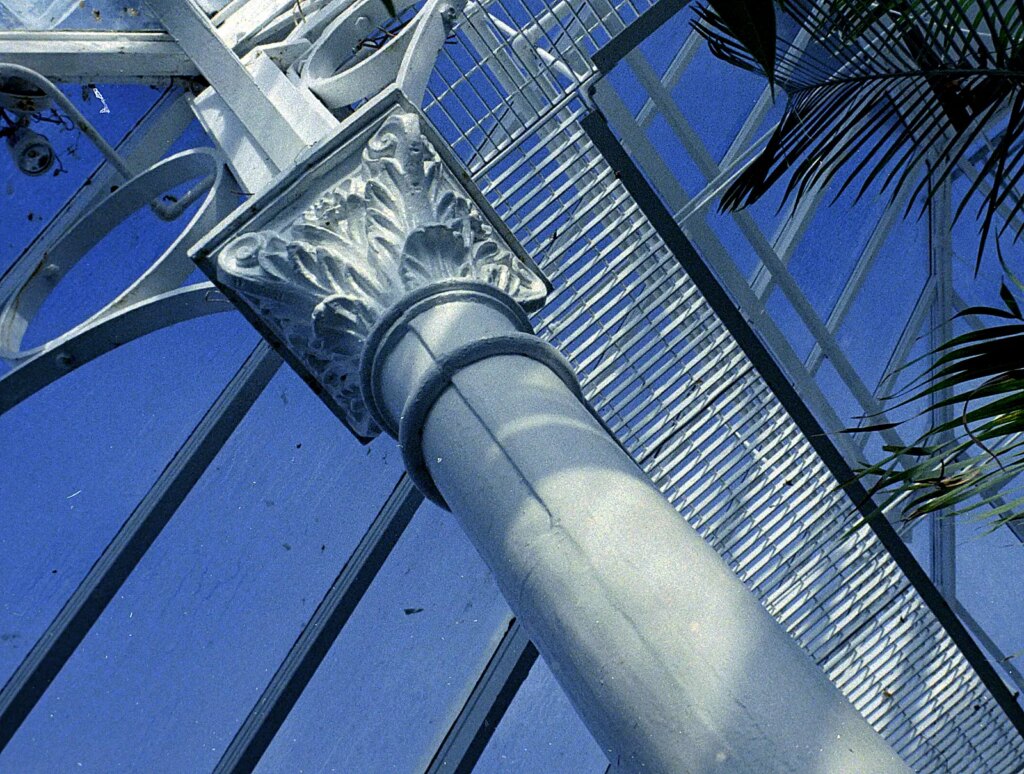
x: 975, y: 461
x: 884, y: 88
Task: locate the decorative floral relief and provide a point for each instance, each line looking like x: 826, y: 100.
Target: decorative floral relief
x: 397, y: 223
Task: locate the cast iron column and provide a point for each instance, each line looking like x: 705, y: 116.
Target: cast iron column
x: 395, y: 291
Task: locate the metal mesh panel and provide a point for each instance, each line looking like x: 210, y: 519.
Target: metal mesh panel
x: 683, y: 398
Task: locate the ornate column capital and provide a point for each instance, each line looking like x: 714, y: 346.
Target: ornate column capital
x: 325, y: 254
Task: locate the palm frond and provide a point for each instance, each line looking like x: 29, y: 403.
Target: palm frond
x: 975, y: 460
x: 887, y: 89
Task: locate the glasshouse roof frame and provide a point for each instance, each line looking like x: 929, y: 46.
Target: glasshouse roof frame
x: 655, y: 336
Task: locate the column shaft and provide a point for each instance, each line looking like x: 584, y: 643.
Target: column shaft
x: 671, y: 662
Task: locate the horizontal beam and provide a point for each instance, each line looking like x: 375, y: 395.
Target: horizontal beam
x: 98, y: 57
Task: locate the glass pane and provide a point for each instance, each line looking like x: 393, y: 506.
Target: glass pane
x: 83, y: 15
x: 184, y: 651
x: 78, y: 457
x: 401, y: 669
x: 541, y: 732
x: 34, y: 14
x: 990, y: 574
x: 28, y: 203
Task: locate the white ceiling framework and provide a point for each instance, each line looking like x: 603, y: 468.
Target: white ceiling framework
x: 515, y: 91
x: 927, y: 316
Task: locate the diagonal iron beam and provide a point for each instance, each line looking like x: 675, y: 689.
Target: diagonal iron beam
x: 272, y: 708
x: 600, y: 133
x: 48, y: 656
x: 487, y: 703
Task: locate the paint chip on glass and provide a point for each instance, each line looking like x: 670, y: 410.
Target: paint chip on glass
x: 99, y: 95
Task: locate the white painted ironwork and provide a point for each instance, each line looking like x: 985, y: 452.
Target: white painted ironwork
x: 91, y: 56
x: 156, y: 299
x: 839, y: 594
x: 653, y: 357
x: 374, y: 269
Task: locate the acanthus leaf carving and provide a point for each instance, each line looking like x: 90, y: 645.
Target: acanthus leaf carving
x: 398, y: 222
